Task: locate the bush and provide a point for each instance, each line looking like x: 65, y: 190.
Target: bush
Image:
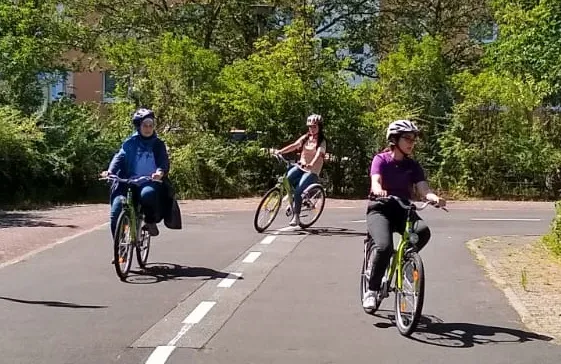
x: 210, y: 167
x: 553, y: 238
x: 21, y: 164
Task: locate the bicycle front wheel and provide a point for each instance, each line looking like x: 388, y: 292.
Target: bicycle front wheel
x: 312, y: 206
x: 122, y: 246
x: 409, y: 298
x: 268, y: 209
x: 143, y: 248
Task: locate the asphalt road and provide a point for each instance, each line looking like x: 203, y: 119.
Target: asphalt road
x: 218, y: 292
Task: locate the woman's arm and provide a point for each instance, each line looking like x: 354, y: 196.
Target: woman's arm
x: 376, y: 185
x: 291, y: 147
x: 427, y: 193
x: 162, y: 162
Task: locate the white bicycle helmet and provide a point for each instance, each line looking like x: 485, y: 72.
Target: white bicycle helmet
x: 399, y: 127
x: 314, y: 119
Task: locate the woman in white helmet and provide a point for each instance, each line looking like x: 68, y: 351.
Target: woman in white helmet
x: 394, y: 172
x: 313, y: 147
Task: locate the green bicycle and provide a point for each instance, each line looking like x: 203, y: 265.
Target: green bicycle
x: 407, y: 267
x: 130, y: 233
x: 313, y: 201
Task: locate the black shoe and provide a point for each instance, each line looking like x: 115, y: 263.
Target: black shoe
x: 152, y: 229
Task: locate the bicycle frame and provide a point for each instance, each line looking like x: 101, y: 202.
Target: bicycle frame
x: 284, y: 184
x: 128, y: 208
x: 396, y: 263
x: 397, y: 260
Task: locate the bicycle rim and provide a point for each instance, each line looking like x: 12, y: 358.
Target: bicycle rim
x: 143, y: 248
x: 122, y: 246
x: 267, y: 210
x: 409, y: 299
x: 312, y: 206
x: 364, y: 283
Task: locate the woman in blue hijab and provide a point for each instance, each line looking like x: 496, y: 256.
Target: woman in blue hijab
x: 142, y: 154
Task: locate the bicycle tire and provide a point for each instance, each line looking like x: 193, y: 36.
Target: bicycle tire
x: 321, y: 190
x: 364, y: 283
x: 122, y: 222
x: 418, y: 275
x: 141, y: 251
x: 260, y: 228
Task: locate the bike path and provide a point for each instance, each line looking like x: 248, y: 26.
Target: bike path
x: 297, y: 301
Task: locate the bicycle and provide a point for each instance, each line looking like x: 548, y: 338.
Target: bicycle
x: 407, y: 266
x: 311, y: 197
x: 130, y: 233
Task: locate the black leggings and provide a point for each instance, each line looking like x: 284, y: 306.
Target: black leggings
x: 382, y: 220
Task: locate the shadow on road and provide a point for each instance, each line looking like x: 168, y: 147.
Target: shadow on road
x: 50, y: 303
x: 162, y: 272
x: 434, y: 331
x: 24, y: 219
x: 320, y: 231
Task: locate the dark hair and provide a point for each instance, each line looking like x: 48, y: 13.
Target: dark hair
x: 321, y: 135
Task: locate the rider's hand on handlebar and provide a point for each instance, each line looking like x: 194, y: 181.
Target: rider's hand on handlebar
x: 438, y: 201
x: 378, y: 192
x: 158, y: 176
x: 104, y: 174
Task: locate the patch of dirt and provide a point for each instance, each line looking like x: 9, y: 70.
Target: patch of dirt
x: 523, y: 267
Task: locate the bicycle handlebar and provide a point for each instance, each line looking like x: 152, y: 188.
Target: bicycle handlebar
x: 130, y: 181
x: 404, y: 205
x: 288, y: 163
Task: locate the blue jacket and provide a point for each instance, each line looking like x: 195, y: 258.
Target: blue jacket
x: 123, y: 163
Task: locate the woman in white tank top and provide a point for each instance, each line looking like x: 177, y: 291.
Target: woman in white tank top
x: 313, y: 147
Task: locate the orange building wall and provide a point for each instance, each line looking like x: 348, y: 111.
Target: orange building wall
x: 88, y: 86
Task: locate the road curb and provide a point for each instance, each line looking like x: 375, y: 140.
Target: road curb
x: 525, y: 316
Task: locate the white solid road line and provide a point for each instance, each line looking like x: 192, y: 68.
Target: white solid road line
x: 228, y: 282
x: 503, y: 219
x: 251, y: 257
x: 160, y: 355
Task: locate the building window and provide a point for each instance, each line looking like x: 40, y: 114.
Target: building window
x: 485, y: 32
x: 109, y: 86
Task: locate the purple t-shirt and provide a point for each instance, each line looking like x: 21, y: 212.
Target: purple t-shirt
x: 398, y: 177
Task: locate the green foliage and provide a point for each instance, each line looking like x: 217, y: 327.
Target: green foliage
x: 209, y: 167
x: 552, y: 239
x: 495, y: 142
x: 33, y: 38
x: 21, y: 164
x: 207, y: 68
x: 172, y: 75
x: 529, y: 39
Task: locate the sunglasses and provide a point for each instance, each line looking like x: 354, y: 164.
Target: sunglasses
x: 410, y: 139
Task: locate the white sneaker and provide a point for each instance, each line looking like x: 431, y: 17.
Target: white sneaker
x: 369, y: 300
x: 295, y: 221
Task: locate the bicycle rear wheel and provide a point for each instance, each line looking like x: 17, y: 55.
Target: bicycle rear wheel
x: 364, y: 280
x: 268, y: 209
x: 123, y: 246
x: 409, y: 299
x: 312, y: 206
x: 143, y: 248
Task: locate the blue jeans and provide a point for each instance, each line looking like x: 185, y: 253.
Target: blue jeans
x: 300, y: 180
x: 149, y: 200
